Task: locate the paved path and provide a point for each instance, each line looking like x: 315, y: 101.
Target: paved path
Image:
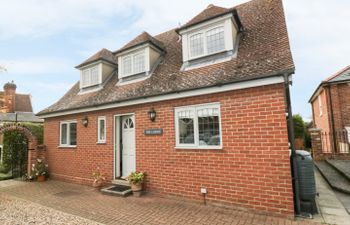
x: 331, y: 209
x: 88, y: 203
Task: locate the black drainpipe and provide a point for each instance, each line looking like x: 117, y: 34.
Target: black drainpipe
x: 293, y: 159
x: 332, y: 119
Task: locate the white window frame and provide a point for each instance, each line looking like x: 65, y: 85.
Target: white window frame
x: 348, y: 132
x: 89, y: 70
x: 196, y: 145
x: 67, y: 122
x: 99, y: 119
x: 204, y: 36
x: 132, y: 55
x: 320, y: 108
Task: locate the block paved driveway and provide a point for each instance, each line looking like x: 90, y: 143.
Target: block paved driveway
x: 85, y: 202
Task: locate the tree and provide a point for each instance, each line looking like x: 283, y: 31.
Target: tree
x: 299, y: 126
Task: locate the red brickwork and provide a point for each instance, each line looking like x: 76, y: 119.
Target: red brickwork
x: 251, y: 171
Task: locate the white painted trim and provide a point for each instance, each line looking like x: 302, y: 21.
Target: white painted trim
x: 116, y: 139
x: 195, y: 108
x: 348, y: 131
x: 101, y: 118
x: 179, y: 95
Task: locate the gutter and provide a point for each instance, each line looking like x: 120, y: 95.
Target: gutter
x: 293, y: 159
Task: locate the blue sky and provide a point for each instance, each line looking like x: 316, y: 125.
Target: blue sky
x: 41, y: 41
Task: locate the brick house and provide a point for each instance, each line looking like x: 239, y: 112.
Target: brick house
x: 330, y: 104
x: 15, y: 107
x: 218, y: 88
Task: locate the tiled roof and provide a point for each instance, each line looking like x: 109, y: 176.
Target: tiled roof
x: 21, y: 117
x: 144, y: 37
x: 342, y: 75
x: 210, y: 12
x: 23, y: 103
x: 263, y: 51
x: 103, y: 54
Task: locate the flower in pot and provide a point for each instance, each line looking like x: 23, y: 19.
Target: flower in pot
x: 136, y: 180
x: 39, y: 170
x: 98, y: 178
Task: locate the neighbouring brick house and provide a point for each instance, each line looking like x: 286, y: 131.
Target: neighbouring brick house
x: 217, y: 88
x: 330, y: 104
x: 15, y: 107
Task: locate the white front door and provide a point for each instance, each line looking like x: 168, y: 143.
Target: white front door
x: 128, y: 145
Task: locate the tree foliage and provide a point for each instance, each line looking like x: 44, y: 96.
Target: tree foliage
x: 299, y: 126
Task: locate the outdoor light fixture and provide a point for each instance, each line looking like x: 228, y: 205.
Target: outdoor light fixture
x: 85, y: 121
x: 152, y: 114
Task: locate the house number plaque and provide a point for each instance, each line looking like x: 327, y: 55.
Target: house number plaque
x: 153, y: 131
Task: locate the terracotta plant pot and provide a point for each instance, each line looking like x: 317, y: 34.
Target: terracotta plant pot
x: 97, y: 184
x: 136, y: 189
x: 41, y: 178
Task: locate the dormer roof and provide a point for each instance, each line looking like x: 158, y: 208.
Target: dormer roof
x: 141, y: 39
x: 211, y: 12
x: 103, y: 54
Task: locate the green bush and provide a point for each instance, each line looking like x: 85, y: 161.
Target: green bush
x: 4, y: 168
x: 37, y: 130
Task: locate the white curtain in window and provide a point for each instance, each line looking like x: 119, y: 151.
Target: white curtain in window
x: 215, y: 40
x: 127, y: 65
x: 139, y: 63
x: 196, y: 45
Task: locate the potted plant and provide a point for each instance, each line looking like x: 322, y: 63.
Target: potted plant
x: 98, y: 178
x: 136, y: 180
x: 39, y: 170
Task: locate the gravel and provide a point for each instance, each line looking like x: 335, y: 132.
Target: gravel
x: 18, y: 211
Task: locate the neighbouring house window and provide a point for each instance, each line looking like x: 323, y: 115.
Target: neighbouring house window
x: 133, y: 63
x: 68, y: 133
x: 198, y: 126
x: 101, y: 133
x: 320, y: 105
x: 90, y: 77
x: 348, y: 132
x: 207, y: 42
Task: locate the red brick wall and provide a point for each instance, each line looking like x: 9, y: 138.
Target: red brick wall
x: 252, y: 170
x: 343, y: 120
x: 321, y: 121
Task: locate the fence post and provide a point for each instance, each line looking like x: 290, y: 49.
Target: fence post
x: 316, y: 143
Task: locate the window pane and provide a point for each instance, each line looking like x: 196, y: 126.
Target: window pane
x: 208, y: 126
x: 139, y: 63
x: 215, y: 40
x: 102, y: 130
x: 126, y: 65
x: 186, y: 127
x: 86, y: 78
x: 64, y: 134
x: 94, y: 76
x: 196, y: 45
x: 73, y: 133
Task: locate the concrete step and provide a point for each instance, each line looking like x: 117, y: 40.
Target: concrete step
x: 121, y: 182
x: 117, y: 190
x: 335, y: 179
x: 342, y: 166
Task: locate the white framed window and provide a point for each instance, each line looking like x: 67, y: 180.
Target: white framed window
x: 348, y: 132
x: 68, y: 133
x: 101, y: 129
x: 319, y: 99
x: 198, y: 126
x: 207, y: 42
x: 133, y: 63
x: 90, y: 77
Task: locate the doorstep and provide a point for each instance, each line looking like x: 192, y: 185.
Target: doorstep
x: 120, y: 182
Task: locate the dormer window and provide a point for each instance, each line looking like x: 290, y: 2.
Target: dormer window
x: 133, y: 63
x: 207, y: 42
x: 210, y: 41
x: 90, y: 77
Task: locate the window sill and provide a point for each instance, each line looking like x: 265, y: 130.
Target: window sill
x: 101, y: 142
x: 67, y: 146
x: 199, y: 147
